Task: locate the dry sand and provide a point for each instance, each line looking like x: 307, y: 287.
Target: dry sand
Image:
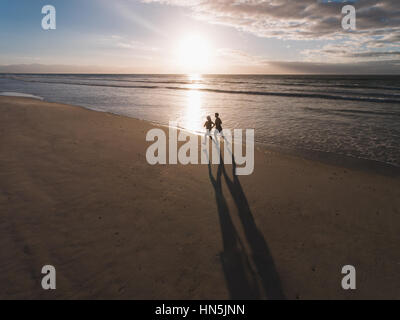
x: 76, y: 192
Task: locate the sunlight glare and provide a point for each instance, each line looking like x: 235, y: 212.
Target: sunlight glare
x: 194, y: 54
x: 193, y: 113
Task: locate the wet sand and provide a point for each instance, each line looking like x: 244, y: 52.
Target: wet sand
x: 76, y: 192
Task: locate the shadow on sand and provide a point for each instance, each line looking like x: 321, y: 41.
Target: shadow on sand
x: 248, y: 275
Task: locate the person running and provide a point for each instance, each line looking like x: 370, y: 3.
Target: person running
x: 218, y: 125
x: 209, y: 125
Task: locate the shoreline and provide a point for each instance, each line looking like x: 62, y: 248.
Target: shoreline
x: 76, y: 192
x: 340, y: 160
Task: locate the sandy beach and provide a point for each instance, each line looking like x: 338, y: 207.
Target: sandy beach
x: 76, y: 192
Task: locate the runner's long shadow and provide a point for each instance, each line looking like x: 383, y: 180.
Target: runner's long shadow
x: 238, y: 273
x: 261, y: 254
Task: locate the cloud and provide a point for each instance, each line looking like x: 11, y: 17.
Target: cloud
x: 357, y: 50
x: 241, y: 60
x: 245, y: 63
x: 43, y: 68
x: 367, y: 68
x: 378, y: 21
x: 125, y: 43
x: 376, y: 39
x: 293, y: 19
x: 238, y: 57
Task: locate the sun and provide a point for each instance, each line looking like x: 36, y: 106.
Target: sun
x: 194, y: 54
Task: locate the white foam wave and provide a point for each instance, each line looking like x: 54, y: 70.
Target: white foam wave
x: 21, y: 95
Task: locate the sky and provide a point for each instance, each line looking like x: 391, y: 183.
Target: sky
x: 200, y: 36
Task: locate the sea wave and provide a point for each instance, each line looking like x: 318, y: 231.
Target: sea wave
x: 21, y: 95
x: 333, y: 96
x: 365, y: 112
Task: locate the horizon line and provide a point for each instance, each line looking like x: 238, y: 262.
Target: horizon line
x: 203, y: 74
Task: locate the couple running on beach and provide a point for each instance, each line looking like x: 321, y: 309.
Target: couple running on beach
x: 209, y: 125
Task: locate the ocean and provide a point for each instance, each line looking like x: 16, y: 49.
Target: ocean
x: 351, y: 116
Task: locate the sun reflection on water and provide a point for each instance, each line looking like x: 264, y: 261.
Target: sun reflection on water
x: 193, y: 114
x: 194, y: 77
